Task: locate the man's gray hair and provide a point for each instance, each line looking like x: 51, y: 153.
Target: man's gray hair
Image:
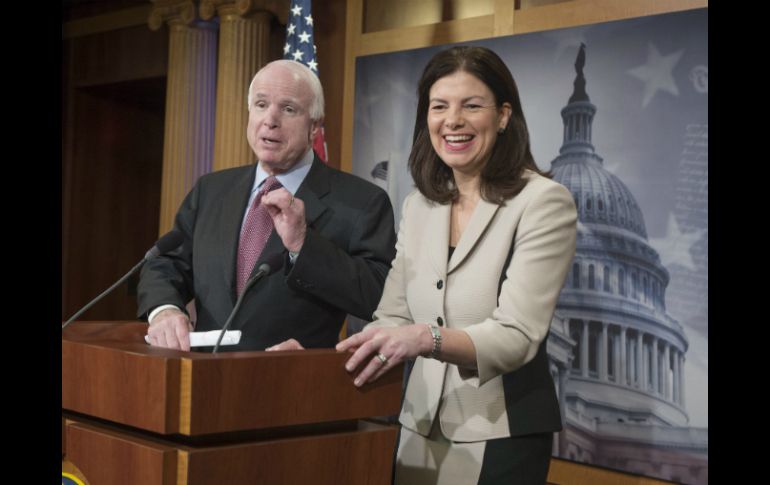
x: 304, y: 73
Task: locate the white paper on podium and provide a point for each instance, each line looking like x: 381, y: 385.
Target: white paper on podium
x: 209, y: 339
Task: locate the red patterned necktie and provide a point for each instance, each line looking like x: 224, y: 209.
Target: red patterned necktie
x: 256, y: 230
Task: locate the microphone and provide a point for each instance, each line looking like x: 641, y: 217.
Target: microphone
x: 166, y: 243
x: 271, y: 264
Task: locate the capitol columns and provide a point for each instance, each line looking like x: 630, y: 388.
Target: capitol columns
x: 676, y: 375
x: 604, y: 353
x: 681, y: 378
x: 640, y: 371
x: 584, y: 349
x: 615, y: 342
x: 655, y: 360
x: 190, y: 95
x: 244, y: 47
x: 667, y: 371
x: 623, y: 358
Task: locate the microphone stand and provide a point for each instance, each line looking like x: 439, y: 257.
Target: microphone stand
x: 271, y: 265
x: 166, y: 243
x: 105, y: 292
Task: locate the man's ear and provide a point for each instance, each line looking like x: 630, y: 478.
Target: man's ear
x: 314, y: 127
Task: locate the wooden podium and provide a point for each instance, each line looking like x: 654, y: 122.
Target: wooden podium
x: 139, y: 414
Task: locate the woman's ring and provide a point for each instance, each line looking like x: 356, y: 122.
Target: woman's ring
x: 382, y: 358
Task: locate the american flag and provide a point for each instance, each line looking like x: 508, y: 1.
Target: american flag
x: 300, y: 47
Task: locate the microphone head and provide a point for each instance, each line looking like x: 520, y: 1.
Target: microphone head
x: 167, y: 242
x: 271, y: 264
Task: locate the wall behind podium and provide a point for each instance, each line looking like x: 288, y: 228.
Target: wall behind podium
x: 113, y: 105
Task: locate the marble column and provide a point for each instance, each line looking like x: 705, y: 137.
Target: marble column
x: 190, y: 94
x: 244, y: 41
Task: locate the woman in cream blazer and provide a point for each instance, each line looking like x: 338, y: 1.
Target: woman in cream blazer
x: 483, y: 249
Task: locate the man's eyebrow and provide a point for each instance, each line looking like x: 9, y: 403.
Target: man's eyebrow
x: 284, y: 100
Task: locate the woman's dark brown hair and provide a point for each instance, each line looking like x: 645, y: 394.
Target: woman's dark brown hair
x: 501, y: 177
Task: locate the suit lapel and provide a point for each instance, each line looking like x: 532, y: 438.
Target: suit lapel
x: 315, y: 185
x: 312, y: 190
x: 438, y: 237
x: 233, y: 208
x: 480, y: 219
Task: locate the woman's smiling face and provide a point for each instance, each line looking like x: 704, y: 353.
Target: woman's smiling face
x: 463, y: 121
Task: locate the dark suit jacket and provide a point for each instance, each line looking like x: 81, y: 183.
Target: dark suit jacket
x: 341, y: 268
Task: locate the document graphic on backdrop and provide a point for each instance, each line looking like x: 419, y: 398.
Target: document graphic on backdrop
x: 619, y: 113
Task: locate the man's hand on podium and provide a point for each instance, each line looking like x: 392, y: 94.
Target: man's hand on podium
x: 171, y: 329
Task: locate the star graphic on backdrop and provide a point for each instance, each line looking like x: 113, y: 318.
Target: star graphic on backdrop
x: 675, y: 246
x: 304, y: 37
x: 296, y: 10
x: 286, y: 48
x: 656, y: 74
x: 312, y: 64
x: 566, y: 39
x: 290, y: 29
x: 298, y: 55
x: 309, y: 20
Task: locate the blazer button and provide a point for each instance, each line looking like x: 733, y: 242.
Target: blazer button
x: 440, y: 284
x: 440, y: 321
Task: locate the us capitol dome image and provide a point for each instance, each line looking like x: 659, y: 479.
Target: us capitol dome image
x: 616, y: 355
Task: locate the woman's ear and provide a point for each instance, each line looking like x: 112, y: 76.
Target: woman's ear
x: 505, y: 116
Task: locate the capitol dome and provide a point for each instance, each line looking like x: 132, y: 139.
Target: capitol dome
x: 617, y: 355
x: 600, y: 197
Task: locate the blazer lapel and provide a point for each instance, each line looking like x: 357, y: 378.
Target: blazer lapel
x: 233, y: 208
x: 438, y: 237
x: 480, y: 219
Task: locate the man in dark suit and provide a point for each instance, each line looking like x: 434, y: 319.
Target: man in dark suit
x: 335, y: 229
